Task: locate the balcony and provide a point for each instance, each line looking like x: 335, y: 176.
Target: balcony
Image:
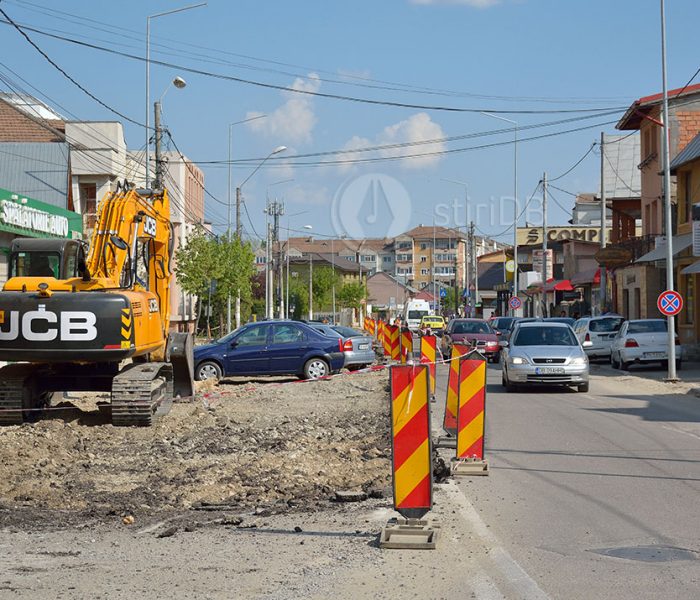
x: 636, y: 246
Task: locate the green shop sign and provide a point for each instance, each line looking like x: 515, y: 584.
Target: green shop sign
x: 31, y: 218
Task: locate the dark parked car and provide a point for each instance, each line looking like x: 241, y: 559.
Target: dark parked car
x: 471, y: 332
x: 270, y: 348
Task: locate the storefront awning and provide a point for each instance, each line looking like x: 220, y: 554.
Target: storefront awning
x: 589, y: 276
x: 680, y: 243
x: 562, y: 285
x: 691, y: 269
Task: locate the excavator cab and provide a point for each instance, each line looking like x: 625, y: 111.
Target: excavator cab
x: 54, y: 258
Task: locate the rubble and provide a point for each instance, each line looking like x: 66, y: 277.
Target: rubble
x: 247, y: 446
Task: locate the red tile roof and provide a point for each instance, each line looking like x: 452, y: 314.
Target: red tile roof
x: 635, y: 113
x: 16, y: 126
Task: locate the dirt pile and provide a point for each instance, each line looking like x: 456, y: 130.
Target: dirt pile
x: 241, y: 444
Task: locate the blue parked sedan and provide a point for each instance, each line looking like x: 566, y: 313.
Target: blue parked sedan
x: 270, y: 348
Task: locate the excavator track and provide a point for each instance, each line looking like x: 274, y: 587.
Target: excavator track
x: 18, y: 395
x: 141, y: 393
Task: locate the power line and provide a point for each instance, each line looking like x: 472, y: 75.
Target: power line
x: 576, y: 164
x: 358, y: 80
x: 306, y: 92
x: 65, y: 74
x: 563, y: 190
x: 688, y: 83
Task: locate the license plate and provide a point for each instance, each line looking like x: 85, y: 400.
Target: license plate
x: 654, y: 355
x: 363, y: 347
x: 549, y: 370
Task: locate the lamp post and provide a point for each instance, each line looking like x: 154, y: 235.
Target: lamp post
x: 276, y: 209
x: 148, y: 78
x: 277, y: 150
x: 465, y: 280
x: 311, y: 280
x: 179, y: 83
x: 515, y: 200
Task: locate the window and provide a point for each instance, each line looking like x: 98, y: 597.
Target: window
x: 404, y: 257
x: 471, y: 327
x: 423, y: 246
x: 606, y: 325
x: 386, y: 259
x: 255, y: 336
x: 369, y: 258
x: 545, y: 336
x: 88, y: 198
x: 424, y: 271
x: 260, y: 260
x: 287, y: 334
x: 424, y: 259
x: 657, y: 326
x: 35, y: 264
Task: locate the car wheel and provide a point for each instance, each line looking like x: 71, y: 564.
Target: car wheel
x: 625, y: 366
x: 615, y: 363
x: 208, y: 370
x: 316, y: 368
x: 507, y: 384
x: 583, y: 387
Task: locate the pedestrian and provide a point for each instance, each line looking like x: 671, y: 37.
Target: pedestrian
x: 563, y: 313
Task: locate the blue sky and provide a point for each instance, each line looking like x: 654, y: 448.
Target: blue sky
x: 574, y: 55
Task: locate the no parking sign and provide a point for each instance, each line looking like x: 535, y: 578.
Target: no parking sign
x: 669, y: 303
x: 515, y: 303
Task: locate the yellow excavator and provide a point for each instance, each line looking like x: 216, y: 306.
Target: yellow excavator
x: 78, y: 318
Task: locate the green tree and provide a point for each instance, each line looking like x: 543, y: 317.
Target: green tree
x: 351, y: 295
x: 324, y: 280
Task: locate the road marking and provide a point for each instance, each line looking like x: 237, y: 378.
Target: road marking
x: 678, y: 430
x: 525, y: 587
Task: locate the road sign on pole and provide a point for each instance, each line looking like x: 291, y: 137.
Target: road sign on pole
x: 669, y: 303
x: 515, y: 303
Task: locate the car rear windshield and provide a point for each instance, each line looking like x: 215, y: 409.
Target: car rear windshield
x: 503, y: 322
x: 647, y: 327
x: 326, y: 330
x: 416, y: 314
x: 545, y: 336
x: 470, y: 327
x: 606, y: 325
x: 347, y: 331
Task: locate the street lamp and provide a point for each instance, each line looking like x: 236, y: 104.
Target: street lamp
x: 515, y: 200
x: 179, y: 83
x: 274, y: 295
x: 472, y: 259
x: 228, y: 189
x: 148, y: 78
x: 277, y: 150
x: 311, y: 280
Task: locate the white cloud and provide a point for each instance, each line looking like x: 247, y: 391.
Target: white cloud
x: 474, y: 3
x: 294, y: 120
x: 417, y: 128
x: 308, y: 194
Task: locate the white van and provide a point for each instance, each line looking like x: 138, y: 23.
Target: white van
x: 415, y: 311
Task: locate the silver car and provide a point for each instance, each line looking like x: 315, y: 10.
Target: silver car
x: 543, y: 353
x: 641, y: 342
x: 357, y: 347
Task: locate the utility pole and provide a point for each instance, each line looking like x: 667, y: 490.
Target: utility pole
x: 603, y: 218
x: 456, y: 281
x: 158, y: 182
x: 476, y: 270
x: 544, y: 243
x: 268, y: 288
x: 667, y: 199
x: 239, y: 231
x: 311, y: 286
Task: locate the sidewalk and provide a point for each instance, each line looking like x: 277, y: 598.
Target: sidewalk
x: 689, y: 375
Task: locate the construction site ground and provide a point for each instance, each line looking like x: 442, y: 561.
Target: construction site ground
x: 234, y: 484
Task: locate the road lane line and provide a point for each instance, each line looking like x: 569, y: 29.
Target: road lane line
x: 525, y: 587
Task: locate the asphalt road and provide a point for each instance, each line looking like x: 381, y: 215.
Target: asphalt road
x: 590, y: 495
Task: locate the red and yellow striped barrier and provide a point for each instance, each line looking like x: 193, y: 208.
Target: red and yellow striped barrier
x: 471, y: 406
x: 372, y: 326
x: 386, y: 339
x: 411, y: 451
x: 394, y: 342
x: 428, y: 355
x: 449, y: 422
x: 406, y: 345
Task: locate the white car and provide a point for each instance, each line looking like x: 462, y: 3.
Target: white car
x: 642, y: 342
x: 596, y: 334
